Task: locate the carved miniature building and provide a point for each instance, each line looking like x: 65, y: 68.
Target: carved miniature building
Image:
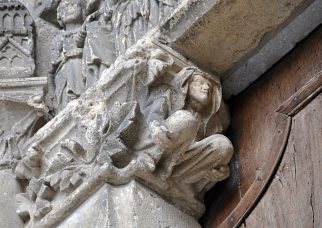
x: 136, y: 113
x: 17, y: 41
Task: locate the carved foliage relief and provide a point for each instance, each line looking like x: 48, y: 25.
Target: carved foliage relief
x: 119, y: 107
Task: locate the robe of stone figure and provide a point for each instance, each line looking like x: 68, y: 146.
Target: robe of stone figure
x: 99, y: 49
x: 133, y: 18
x: 69, y: 83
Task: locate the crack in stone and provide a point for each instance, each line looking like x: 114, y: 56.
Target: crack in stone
x: 295, y: 166
x: 311, y: 204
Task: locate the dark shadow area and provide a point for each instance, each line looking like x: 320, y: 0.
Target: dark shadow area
x: 221, y: 194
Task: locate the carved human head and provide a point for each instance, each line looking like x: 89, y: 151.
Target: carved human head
x: 75, y: 11
x: 70, y: 11
x: 199, y: 89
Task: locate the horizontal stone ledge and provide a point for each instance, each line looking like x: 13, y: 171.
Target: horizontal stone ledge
x: 22, y: 90
x: 222, y: 36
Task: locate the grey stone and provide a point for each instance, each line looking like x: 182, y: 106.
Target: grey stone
x: 216, y: 35
x: 236, y: 80
x: 9, y: 188
x: 150, y: 117
x: 131, y: 205
x: 16, y: 41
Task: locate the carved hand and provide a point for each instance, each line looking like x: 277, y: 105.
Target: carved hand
x: 160, y: 135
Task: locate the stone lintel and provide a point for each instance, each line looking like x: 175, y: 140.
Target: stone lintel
x: 223, y: 37
x: 22, y: 90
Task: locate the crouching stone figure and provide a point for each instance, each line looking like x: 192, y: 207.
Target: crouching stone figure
x: 185, y: 125
x: 150, y: 118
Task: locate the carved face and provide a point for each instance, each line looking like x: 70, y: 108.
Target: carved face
x: 70, y: 11
x: 200, y: 90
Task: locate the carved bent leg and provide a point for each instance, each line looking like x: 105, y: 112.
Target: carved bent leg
x: 205, y: 162
x: 181, y: 130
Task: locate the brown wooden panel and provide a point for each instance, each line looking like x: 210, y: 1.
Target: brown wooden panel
x: 253, y: 127
x: 294, y: 198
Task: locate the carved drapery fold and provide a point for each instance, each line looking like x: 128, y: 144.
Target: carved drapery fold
x: 124, y: 109
x: 138, y: 122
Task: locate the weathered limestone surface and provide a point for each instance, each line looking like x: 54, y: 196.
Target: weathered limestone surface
x: 133, y: 205
x: 150, y: 117
x: 9, y: 188
x: 119, y: 107
x: 239, y: 40
x: 225, y: 31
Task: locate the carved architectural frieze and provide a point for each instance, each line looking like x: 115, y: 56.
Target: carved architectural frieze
x: 16, y: 41
x: 21, y: 94
x: 120, y: 107
x: 151, y: 117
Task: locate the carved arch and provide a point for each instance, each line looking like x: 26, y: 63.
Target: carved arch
x: 4, y: 61
x: 16, y: 61
x: 18, y: 21
x: 7, y: 21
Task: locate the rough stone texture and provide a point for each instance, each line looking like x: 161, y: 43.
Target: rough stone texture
x: 150, y: 117
x: 9, y: 188
x: 231, y: 29
x: 124, y: 108
x: 240, y: 40
x: 133, y: 205
x: 236, y: 80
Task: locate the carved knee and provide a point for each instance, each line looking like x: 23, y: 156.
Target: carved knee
x: 221, y: 148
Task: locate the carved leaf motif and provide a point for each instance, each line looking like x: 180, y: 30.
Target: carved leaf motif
x: 61, y: 160
x: 54, y: 181
x: 64, y: 184
x: 66, y: 180
x: 43, y: 207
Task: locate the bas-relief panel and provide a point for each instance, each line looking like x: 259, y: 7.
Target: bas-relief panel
x: 119, y: 107
x: 21, y: 93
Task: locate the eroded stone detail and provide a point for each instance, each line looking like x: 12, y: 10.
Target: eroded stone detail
x: 16, y: 41
x: 21, y: 99
x: 150, y: 117
x: 22, y: 110
x: 119, y: 107
x: 93, y: 34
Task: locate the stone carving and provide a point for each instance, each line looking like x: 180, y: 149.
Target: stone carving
x: 21, y: 93
x: 150, y: 117
x: 22, y: 110
x: 66, y: 79
x: 98, y: 32
x: 120, y: 109
x: 132, y: 19
x: 16, y: 41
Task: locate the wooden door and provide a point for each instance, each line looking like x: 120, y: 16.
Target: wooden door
x: 277, y: 133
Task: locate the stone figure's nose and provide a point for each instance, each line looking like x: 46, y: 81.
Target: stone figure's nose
x: 205, y: 87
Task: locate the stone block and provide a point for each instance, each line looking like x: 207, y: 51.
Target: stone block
x: 132, y: 206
